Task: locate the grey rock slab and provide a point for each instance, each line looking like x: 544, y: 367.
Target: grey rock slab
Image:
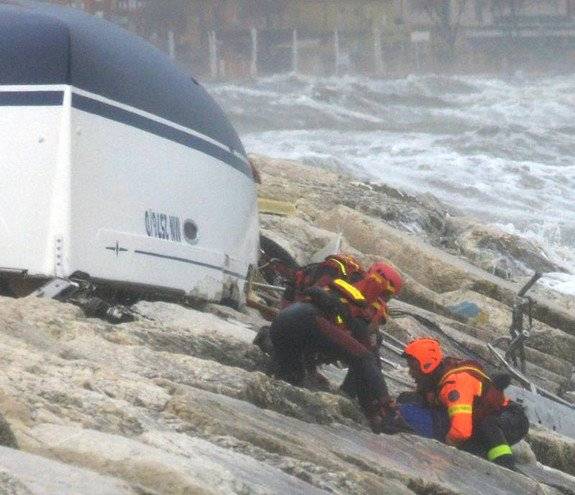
x: 247, y: 317
x: 257, y: 477
x: 169, y: 463
x: 496, y: 250
x: 552, y: 449
x: 196, y: 322
x: 315, y: 189
x: 112, y: 387
x: 430, y: 266
x: 564, y: 483
x: 177, y: 341
x: 416, y: 462
x: 545, y: 412
x: 301, y: 239
x: 27, y: 474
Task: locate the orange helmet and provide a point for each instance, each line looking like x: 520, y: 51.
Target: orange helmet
x: 388, y: 273
x: 427, y: 352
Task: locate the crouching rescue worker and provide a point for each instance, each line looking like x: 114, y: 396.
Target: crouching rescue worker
x: 334, y: 322
x: 334, y: 267
x: 480, y: 419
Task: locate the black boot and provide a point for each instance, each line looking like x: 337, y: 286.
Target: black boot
x: 264, y: 341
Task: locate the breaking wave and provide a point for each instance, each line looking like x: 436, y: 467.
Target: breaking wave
x: 500, y: 150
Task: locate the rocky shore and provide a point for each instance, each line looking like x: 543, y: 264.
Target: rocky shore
x: 178, y: 403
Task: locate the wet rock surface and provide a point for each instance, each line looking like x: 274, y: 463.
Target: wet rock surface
x: 27, y: 474
x: 144, y: 416
x: 178, y: 402
x: 444, y: 261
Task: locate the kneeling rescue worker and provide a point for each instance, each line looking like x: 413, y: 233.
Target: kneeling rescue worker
x: 339, y: 266
x: 481, y: 420
x: 334, y: 321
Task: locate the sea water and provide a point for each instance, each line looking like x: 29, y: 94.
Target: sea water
x: 500, y: 150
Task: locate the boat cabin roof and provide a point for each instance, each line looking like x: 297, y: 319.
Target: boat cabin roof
x: 43, y: 44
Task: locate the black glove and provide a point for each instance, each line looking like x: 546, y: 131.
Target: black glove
x: 385, y: 418
x: 501, y: 381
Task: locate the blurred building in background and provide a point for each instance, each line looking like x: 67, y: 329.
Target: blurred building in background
x: 230, y: 39
x: 492, y: 35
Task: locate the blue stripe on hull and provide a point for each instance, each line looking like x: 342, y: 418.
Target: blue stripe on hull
x: 95, y: 107
x: 152, y: 126
x: 31, y: 98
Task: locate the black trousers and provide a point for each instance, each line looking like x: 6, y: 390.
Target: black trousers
x: 509, y: 427
x: 300, y: 330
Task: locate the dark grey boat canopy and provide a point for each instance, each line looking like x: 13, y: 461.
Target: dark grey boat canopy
x: 47, y: 44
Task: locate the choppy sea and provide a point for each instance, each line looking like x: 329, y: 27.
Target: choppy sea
x: 500, y: 150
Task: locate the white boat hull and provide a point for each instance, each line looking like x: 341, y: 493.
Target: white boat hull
x: 83, y: 192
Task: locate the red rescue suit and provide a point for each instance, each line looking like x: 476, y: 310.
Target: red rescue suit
x: 343, y: 267
x: 333, y: 325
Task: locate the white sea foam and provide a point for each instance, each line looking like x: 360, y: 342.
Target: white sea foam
x: 501, y: 150
x: 561, y: 282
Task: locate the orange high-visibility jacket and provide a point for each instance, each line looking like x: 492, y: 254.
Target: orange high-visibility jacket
x: 468, y: 395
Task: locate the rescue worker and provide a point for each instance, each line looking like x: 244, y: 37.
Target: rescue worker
x: 481, y: 420
x: 335, y: 323
x: 376, y: 314
x: 335, y: 266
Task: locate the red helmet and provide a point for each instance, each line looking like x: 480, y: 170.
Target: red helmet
x: 427, y: 352
x: 389, y: 273
x: 372, y: 286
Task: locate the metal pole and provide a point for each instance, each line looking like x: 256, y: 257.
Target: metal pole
x: 336, y: 50
x: 378, y: 61
x: 254, y: 64
x: 277, y: 288
x: 213, y: 54
x: 171, y: 45
x: 295, y: 55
